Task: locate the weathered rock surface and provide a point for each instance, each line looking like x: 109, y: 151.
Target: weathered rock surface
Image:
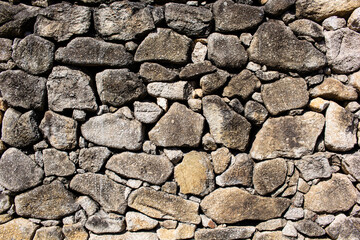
x: 333, y: 89
x: 276, y: 7
x: 195, y: 70
x: 309, y: 228
x: 126, y: 236
x: 136, y: 221
x: 53, y: 233
x: 226, y: 126
x: 57, y: 163
x: 19, y: 172
x: 220, y: 159
x: 75, y: 232
x: 231, y: 205
x: 314, y: 166
x: 102, y: 222
x: 225, y: 233
x: 242, y: 85
x: 350, y: 164
x: 5, y: 49
x: 147, y: 112
x: 275, y: 45
x: 92, y: 159
x: 179, y: 127
x: 59, y: 202
x: 354, y: 20
x: 183, y: 231
x: 255, y: 112
x: 306, y: 27
x: 18, y: 228
x: 288, y: 136
x: 180, y: 90
x: 109, y: 194
x: 154, y: 72
x: 211, y: 82
x: 277, y: 235
x: 163, y: 205
x: 271, y: 225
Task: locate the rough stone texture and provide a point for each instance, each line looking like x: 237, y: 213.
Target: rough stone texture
x: 68, y: 89
x: 153, y: 47
x: 306, y: 27
x: 92, y: 159
x: 119, y: 86
x: 195, y: 70
x: 288, y: 136
x: 126, y: 236
x: 5, y: 49
x: 255, y: 112
x: 242, y: 85
x: 163, y: 205
x: 220, y: 159
x: 350, y: 164
x: 75, y: 232
x: 57, y: 163
x: 147, y: 112
x: 225, y: 233
x: 59, y: 202
x: 137, y: 221
x: 154, y: 72
x: 53, y: 233
x: 102, y: 222
x: 179, y: 127
x: 275, y: 45
x: 114, y: 130
x: 19, y: 172
x: 18, y: 228
x: 331, y: 88
x: 109, y: 194
x: 183, y: 231
x: 20, y: 89
x: 123, y: 21
x: 314, y: 166
x: 354, y: 20
x: 277, y: 7
x: 231, y: 205
x: 180, y: 90
x: 309, y: 228
x: 271, y: 225
x: 211, y: 82
x: 226, y: 126
x: 270, y: 236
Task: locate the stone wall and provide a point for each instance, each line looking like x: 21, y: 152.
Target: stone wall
x: 206, y: 120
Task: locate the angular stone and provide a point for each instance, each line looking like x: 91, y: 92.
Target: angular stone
x: 270, y: 236
x: 211, y: 82
x: 59, y: 202
x: 231, y: 205
x: 102, y: 222
x: 314, y: 166
x: 321, y: 197
x: 57, y: 163
x: 5, y: 203
x: 137, y: 221
x: 20, y: 89
x: 199, y: 53
x: 318, y: 10
x: 34, y: 54
x: 343, y: 53
x: 183, y: 231
x: 288, y: 136
x: 269, y: 175
x: 119, y: 86
x: 180, y: 90
x: 309, y: 228
x: 294, y: 213
x: 87, y: 51
x: 242, y: 85
x: 18, y: 228
x: 123, y: 21
x: 271, y: 225
x: 109, y: 194
x: 164, y: 206
x: 63, y: 20
x: 195, y: 174
x: 226, y: 126
x: 19, y: 130
x: 344, y: 228
x: 179, y: 127
x: 238, y: 17
x: 276, y: 46
x: 239, y: 172
x: 333, y: 23
x: 277, y: 7
x: 92, y: 159
x: 195, y: 70
x: 5, y: 49
x: 19, y: 172
x: 70, y: 89
x: 153, y: 47
x: 147, y: 112
x: 45, y: 233
x: 350, y: 164
x: 154, y: 72
x: 188, y: 20
x: 220, y: 159
x: 126, y: 236
x: 59, y: 130
x: 75, y: 232
x: 255, y: 112
x: 154, y: 169
x: 340, y: 128
x: 333, y: 89
x: 354, y: 20
x: 226, y: 51
x: 306, y: 27
x: 114, y: 130
x: 225, y: 233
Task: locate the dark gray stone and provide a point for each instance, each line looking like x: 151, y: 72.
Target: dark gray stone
x: 57, y: 163
x: 195, y: 70
x: 211, y: 82
x: 306, y: 27
x: 277, y: 7
x: 92, y: 159
x: 242, y: 85
x: 154, y: 72
x: 255, y: 112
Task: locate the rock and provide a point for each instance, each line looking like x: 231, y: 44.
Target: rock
x: 45, y: 233
x: 183, y: 231
x: 318, y: 104
x: 231, y: 205
x: 242, y: 85
x: 291, y: 137
x: 255, y: 112
x: 350, y: 164
x: 226, y: 51
x: 277, y: 7
x: 271, y: 225
x: 179, y: 127
x: 342, y: 53
x: 276, y: 46
x: 318, y: 10
x: 333, y: 89
x: 63, y: 20
x: 119, y: 86
x: 123, y: 21
x: 269, y: 175
x: 88, y: 52
x: 294, y: 213
x: 75, y: 232
x: 267, y: 75
x: 208, y: 142
x: 226, y: 126
x: 59, y: 202
x: 224, y: 233
x: 154, y: 169
x: 309, y: 228
x: 239, y: 172
x: 344, y: 228
x: 5, y: 203
x: 34, y: 54
x: 109, y: 194
x: 195, y: 70
x: 340, y: 129
x: 314, y: 166
x: 137, y: 221
x: 57, y: 163
x: 354, y: 20
x: 18, y: 228
x: 199, y: 53
x: 324, y: 220
x: 102, y: 222
x: 5, y: 49
x: 69, y: 89
x: 20, y: 89
x: 126, y: 236
x: 163, y: 205
x: 147, y: 112
x: 114, y: 130
x: 270, y: 236
x: 59, y: 130
x: 220, y: 159
x: 92, y: 159
x: 152, y: 48
x: 333, y: 23
x: 19, y: 172
x: 238, y: 17
x: 354, y: 80
x: 154, y: 72
x: 89, y: 205
x: 321, y: 197
x: 188, y: 20
x: 19, y: 130
x: 211, y: 82
x: 195, y: 174
x: 236, y: 105
x: 306, y: 27
x: 180, y: 90
x: 289, y: 230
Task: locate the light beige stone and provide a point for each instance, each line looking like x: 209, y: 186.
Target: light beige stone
x: 18, y: 229
x: 318, y: 104
x: 220, y: 159
x: 333, y: 89
x: 49, y: 233
x: 183, y: 231
x: 137, y: 221
x: 354, y: 20
x: 75, y: 232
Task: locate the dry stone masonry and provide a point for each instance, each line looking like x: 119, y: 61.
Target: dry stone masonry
x: 169, y: 120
